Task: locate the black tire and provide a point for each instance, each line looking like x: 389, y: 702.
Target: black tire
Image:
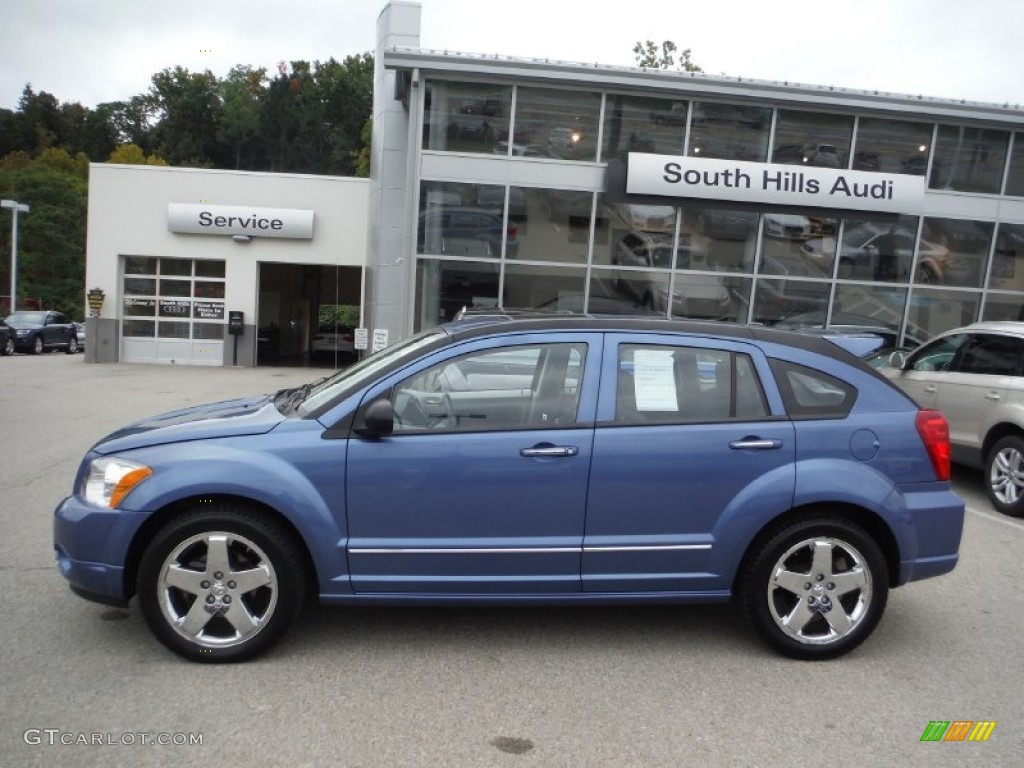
x: 37, y: 345
x: 1004, y: 476
x: 8, y: 347
x: 72, y: 345
x: 842, y: 597
x: 925, y: 275
x: 247, y: 614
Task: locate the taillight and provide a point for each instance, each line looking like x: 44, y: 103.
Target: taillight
x: 934, y: 431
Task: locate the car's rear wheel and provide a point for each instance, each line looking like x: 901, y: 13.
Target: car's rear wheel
x: 72, y: 345
x: 815, y: 589
x: 1005, y: 472
x: 37, y: 345
x: 220, y: 585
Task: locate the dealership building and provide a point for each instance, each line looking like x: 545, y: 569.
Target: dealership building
x: 524, y: 183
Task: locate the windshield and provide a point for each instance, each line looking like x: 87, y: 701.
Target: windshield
x: 363, y: 372
x: 26, y: 319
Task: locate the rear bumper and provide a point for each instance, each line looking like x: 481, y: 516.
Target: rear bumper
x: 933, y: 524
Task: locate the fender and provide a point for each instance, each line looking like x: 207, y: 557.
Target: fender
x: 305, y: 485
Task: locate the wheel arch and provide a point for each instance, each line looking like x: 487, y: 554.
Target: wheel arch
x: 872, y: 524
x: 996, y: 433
x: 156, y: 521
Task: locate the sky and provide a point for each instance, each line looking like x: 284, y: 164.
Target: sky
x: 93, y: 51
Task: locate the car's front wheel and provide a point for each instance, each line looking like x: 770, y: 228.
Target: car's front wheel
x: 1005, y: 472
x: 220, y: 585
x: 37, y: 345
x: 815, y: 589
x: 72, y: 345
x: 8, y: 348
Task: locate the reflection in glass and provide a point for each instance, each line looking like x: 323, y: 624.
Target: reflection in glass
x: 209, y: 268
x: 1015, y: 175
x: 969, y: 159
x: 557, y: 123
x: 140, y: 265
x: 176, y: 267
x: 892, y: 146
x: 880, y: 249
x: 730, y: 131
x: 812, y: 138
x: 1000, y: 306
x: 464, y: 220
x: 445, y: 287
x: 1007, y: 272
x: 208, y: 331
x: 540, y: 287
x: 637, y: 124
x: 775, y: 300
x: 140, y: 286
x: 206, y: 289
x: 466, y: 117
x: 957, y: 252
x: 167, y: 329
x: 934, y: 311
x: 607, y: 297
x: 559, y: 224
x: 869, y: 307
x: 727, y: 236
x: 175, y: 287
x: 145, y: 329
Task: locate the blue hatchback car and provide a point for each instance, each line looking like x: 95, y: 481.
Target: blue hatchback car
x: 546, y: 460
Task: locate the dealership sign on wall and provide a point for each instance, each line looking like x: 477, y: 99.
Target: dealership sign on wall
x: 239, y: 220
x: 773, y: 184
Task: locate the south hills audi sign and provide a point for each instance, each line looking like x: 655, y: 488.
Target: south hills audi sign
x: 773, y: 184
x: 239, y: 220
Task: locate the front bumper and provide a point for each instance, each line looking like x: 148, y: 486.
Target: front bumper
x: 91, y: 547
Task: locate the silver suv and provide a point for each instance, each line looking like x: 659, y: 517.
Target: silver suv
x: 975, y: 376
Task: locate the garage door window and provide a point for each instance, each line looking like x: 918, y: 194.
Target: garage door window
x: 184, y: 296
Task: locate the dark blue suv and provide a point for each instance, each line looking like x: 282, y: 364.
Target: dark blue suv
x: 548, y: 460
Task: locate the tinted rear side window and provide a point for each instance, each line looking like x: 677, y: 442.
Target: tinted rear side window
x: 811, y: 394
x: 991, y: 355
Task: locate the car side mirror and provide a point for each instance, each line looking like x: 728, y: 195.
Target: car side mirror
x: 898, y: 359
x: 378, y: 419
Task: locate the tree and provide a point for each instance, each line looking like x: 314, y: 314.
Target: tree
x: 241, y: 94
x: 651, y: 56
x: 132, y: 154
x: 187, y: 106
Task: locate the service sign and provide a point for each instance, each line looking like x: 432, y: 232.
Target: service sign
x: 773, y: 184
x: 192, y: 219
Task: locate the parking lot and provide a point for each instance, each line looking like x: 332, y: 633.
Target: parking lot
x: 658, y: 686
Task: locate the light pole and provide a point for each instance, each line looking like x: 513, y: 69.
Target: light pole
x: 16, y: 208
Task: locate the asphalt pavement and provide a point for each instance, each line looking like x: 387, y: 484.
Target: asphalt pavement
x: 86, y: 685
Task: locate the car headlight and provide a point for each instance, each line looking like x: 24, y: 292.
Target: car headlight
x: 110, y: 479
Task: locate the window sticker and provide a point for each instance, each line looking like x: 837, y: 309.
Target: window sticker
x: 654, y: 380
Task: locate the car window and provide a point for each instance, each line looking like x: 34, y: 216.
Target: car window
x: 522, y: 387
x: 938, y: 355
x: 678, y: 384
x: 991, y: 355
x: 812, y: 394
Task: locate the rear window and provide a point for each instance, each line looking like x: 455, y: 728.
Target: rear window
x: 811, y: 394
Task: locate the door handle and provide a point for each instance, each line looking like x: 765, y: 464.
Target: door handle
x: 549, y: 451
x: 757, y: 443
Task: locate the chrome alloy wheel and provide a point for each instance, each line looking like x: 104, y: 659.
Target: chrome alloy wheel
x: 819, y: 590
x: 1006, y: 475
x: 217, y: 589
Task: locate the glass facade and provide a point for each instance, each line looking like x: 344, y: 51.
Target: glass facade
x: 575, y: 248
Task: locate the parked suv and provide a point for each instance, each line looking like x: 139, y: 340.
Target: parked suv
x: 553, y: 460
x: 975, y: 376
x: 43, y: 331
x: 8, y: 338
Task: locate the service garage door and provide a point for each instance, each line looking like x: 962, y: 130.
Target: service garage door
x: 172, y: 311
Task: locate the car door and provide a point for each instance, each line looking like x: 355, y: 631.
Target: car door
x: 482, y: 486
x: 927, y: 368
x: 686, y: 437
x: 976, y: 384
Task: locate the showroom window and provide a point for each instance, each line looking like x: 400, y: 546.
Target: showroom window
x: 730, y: 131
x: 1007, y: 272
x: 464, y: 220
x: 173, y: 298
x: 557, y: 123
x: 551, y: 225
x: 954, y: 252
x: 811, y: 138
x: 879, y: 248
x: 638, y: 124
x: 933, y: 311
x: 445, y: 287
x: 892, y: 146
x: 969, y: 159
x: 1015, y: 176
x: 466, y: 117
